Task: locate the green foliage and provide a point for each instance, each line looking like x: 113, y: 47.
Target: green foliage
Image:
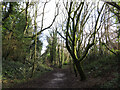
x: 103, y: 62
x: 18, y: 70
x: 15, y: 70
x: 17, y: 55
x: 103, y: 66
x: 43, y: 67
x: 14, y: 45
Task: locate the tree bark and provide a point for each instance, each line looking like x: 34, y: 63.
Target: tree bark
x: 75, y: 71
x: 80, y: 71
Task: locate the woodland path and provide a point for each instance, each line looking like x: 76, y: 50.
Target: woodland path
x: 59, y: 78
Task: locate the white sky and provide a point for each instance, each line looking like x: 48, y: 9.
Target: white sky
x: 49, y: 15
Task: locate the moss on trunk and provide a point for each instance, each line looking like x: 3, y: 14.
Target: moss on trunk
x: 80, y: 71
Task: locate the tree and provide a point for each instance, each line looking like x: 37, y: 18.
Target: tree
x: 14, y: 43
x: 35, y: 40
x: 62, y: 53
x: 42, y: 20
x: 78, y: 14
x: 114, y: 7
x: 41, y: 27
x: 52, y: 40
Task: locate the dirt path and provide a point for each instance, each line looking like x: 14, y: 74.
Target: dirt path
x: 59, y: 78
x: 53, y: 79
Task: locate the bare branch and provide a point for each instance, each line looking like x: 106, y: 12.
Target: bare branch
x: 114, y: 5
x: 109, y: 48
x: 61, y: 35
x: 49, y: 25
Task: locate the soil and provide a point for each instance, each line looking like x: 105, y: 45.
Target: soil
x: 60, y: 78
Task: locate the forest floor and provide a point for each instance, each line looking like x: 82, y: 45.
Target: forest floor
x: 101, y: 73
x: 61, y: 78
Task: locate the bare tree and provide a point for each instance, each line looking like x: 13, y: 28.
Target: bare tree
x: 78, y: 14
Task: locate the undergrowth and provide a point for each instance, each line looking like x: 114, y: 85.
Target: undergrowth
x: 103, y: 66
x: 17, y: 72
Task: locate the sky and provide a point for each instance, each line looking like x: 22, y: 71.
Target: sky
x: 49, y: 15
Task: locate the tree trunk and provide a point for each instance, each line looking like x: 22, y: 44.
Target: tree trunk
x: 75, y: 71
x: 33, y: 70
x: 80, y: 71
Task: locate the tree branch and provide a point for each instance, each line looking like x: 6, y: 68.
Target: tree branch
x: 114, y: 5
x: 26, y: 23
x: 109, y: 48
x: 48, y: 26
x: 61, y: 35
x: 86, y: 51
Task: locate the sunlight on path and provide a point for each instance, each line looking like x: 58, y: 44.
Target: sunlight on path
x: 57, y: 81
x: 59, y: 75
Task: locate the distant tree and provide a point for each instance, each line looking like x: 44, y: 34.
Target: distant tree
x: 114, y: 7
x: 52, y: 40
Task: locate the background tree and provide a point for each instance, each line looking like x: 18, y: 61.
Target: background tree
x: 52, y: 40
x: 114, y: 7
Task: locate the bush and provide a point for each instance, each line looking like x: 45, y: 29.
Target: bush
x: 14, y: 70
x: 100, y: 65
x: 18, y: 70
